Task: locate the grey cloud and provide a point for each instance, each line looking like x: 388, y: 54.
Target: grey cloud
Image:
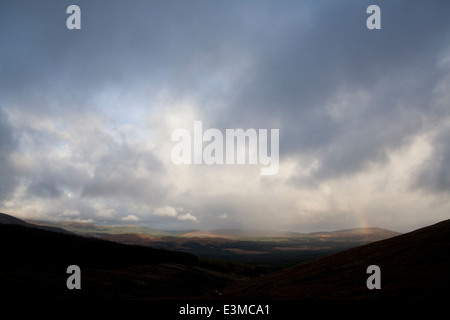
x: 8, y: 143
x: 296, y: 76
x: 159, y: 46
x: 125, y: 172
x: 50, y: 177
x: 44, y: 188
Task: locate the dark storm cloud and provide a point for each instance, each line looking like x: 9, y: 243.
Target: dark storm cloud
x: 299, y: 74
x: 121, y: 44
x: 302, y: 63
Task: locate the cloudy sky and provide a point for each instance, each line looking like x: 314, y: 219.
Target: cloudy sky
x: 86, y: 116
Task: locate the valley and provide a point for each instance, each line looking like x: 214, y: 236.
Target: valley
x: 224, y: 265
x: 267, y: 249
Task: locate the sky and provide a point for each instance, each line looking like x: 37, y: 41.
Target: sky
x: 86, y: 116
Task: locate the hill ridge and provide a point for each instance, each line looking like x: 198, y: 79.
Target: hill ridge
x: 413, y: 265
x: 86, y: 227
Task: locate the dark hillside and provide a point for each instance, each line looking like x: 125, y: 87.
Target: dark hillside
x: 414, y: 265
x: 32, y: 246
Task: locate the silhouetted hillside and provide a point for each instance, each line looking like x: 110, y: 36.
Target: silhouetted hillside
x: 7, y: 219
x: 22, y: 244
x: 34, y: 264
x: 413, y: 266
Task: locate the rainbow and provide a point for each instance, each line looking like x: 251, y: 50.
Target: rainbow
x: 362, y: 221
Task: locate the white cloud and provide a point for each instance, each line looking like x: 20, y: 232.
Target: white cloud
x: 171, y: 212
x: 130, y: 217
x: 166, y: 211
x: 187, y: 217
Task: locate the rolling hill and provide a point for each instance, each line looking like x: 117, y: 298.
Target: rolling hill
x: 265, y: 248
x: 360, y: 234
x: 413, y: 266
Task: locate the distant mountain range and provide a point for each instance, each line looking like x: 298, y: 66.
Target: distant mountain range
x: 268, y: 248
x: 363, y: 234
